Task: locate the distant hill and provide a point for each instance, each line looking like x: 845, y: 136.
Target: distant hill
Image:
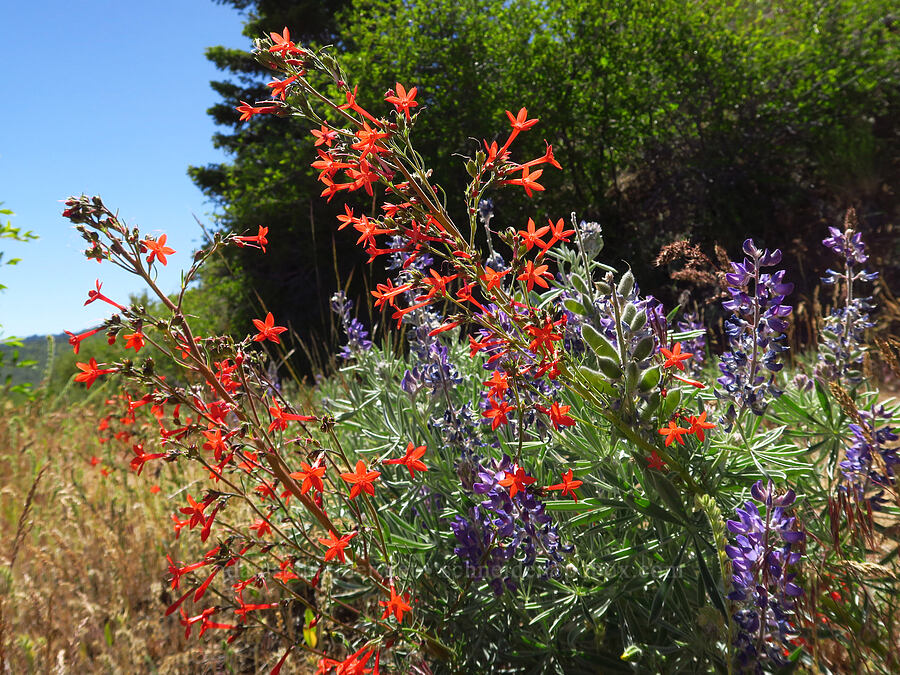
x: 34, y: 348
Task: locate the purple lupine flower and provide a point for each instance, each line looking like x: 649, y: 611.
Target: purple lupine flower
x: 755, y: 331
x: 841, y: 348
x: 502, y: 528
x: 766, y: 545
x: 357, y: 335
x: 861, y: 471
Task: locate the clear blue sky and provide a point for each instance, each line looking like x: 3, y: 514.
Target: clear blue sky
x: 109, y: 98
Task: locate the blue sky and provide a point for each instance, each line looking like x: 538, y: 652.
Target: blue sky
x: 109, y: 98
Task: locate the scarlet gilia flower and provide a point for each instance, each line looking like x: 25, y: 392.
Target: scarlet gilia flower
x: 673, y: 432
x: 674, y: 357
x: 158, y: 249
x: 280, y: 418
x: 261, y: 527
x: 534, y: 275
x: 528, y: 180
x: 195, y: 510
x: 397, y: 605
x: 699, y: 425
x: 141, y: 457
x: 568, y: 486
x: 283, y: 44
x: 97, y: 295
x: 75, y: 340
x: 402, y: 99
x: 654, y: 461
x: 497, y: 412
x: 257, y: 241
x: 498, y: 384
x: 134, y: 341
x: 411, y: 460
x: 279, y: 87
x: 336, y: 545
x: 90, y: 372
x: 267, y: 329
x: 247, y: 111
x: 361, y: 480
x: 311, y: 477
x: 531, y: 237
x: 558, y: 415
x: 516, y: 480
x: 286, y: 573
x: 325, y: 136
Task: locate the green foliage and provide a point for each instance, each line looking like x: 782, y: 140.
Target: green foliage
x: 707, y: 120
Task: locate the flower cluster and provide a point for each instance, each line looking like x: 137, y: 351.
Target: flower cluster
x: 357, y: 335
x: 766, y: 545
x: 841, y: 348
x: 871, y: 457
x: 510, y: 523
x: 755, y: 330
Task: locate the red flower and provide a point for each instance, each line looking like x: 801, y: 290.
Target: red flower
x: 279, y: 87
x: 262, y: 527
x: 247, y: 111
x: 267, y: 329
x: 75, y: 340
x: 654, y: 461
x: 283, y: 44
x: 280, y: 418
x: 258, y: 240
x: 141, y: 457
x: 492, y: 278
x: 402, y: 99
x: 361, y: 480
x: 527, y: 181
x: 411, y: 460
x: 336, y: 546
x: 134, y: 341
x: 517, y: 480
x: 91, y: 372
x: 674, y: 357
x: 534, y: 275
x: 673, y: 433
x: 397, y: 605
x: 532, y: 237
x: 699, y: 425
x: 497, y: 412
x: 568, y: 486
x: 558, y: 415
x: 286, y: 573
x: 158, y: 249
x: 498, y: 384
x: 311, y: 477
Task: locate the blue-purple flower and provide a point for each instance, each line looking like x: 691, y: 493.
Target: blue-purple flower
x: 755, y: 331
x: 766, y: 549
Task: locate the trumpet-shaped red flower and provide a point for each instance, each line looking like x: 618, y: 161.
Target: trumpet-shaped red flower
x: 336, y: 545
x: 279, y: 87
x: 247, y: 111
x: 516, y: 480
x: 267, y: 329
x: 673, y: 432
x: 311, y: 477
x: 568, y: 486
x: 531, y: 237
x: 195, y: 510
x: 361, y: 480
x: 403, y: 100
x: 262, y: 527
x: 534, y: 275
x: 674, y: 357
x: 497, y: 412
x: 280, y: 418
x: 558, y: 415
x: 90, y: 372
x: 256, y: 241
x: 397, y: 605
x: 699, y: 425
x: 492, y: 278
x: 411, y: 460
x: 283, y: 44
x: 324, y: 136
x: 158, y: 249
x: 134, y: 341
x: 498, y: 384
x: 75, y: 340
x: 141, y: 457
x: 97, y: 295
x: 654, y: 461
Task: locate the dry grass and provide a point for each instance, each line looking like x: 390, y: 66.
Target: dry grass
x: 82, y: 557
